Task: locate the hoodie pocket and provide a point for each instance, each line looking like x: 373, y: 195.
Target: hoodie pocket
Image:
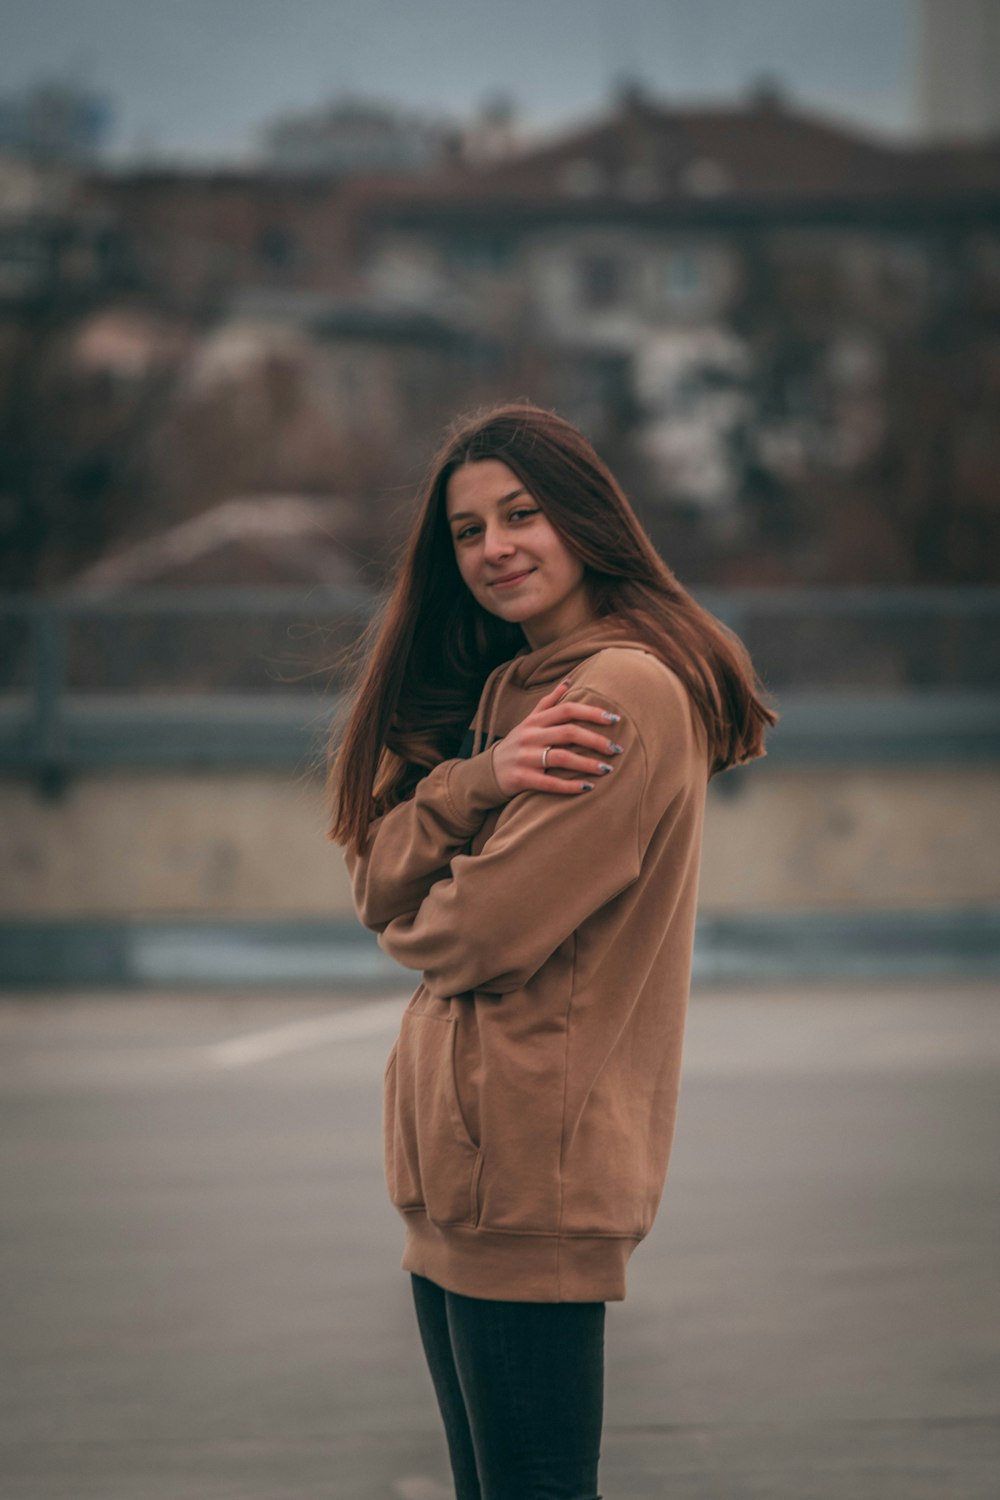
x: 431, y: 1161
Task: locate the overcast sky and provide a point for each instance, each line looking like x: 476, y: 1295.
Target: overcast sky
x: 196, y: 77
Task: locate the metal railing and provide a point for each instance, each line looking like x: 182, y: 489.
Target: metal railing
x: 227, y: 677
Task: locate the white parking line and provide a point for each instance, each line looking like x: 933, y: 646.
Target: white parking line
x: 371, y: 1019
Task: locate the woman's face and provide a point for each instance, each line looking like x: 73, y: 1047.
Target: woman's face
x: 499, y: 532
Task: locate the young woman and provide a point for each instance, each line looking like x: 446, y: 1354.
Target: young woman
x: 538, y: 867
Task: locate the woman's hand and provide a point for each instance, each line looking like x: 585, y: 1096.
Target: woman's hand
x: 517, y: 758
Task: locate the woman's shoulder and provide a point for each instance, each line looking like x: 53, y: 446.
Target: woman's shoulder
x: 639, y: 685
x: 631, y: 672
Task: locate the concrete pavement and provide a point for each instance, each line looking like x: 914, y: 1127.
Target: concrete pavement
x: 201, y: 1269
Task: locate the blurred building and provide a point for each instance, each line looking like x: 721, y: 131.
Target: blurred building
x: 744, y: 284
x: 54, y: 122
x: 958, y: 69
x: 57, y: 249
x: 195, y: 236
x: 780, y: 331
x: 351, y: 137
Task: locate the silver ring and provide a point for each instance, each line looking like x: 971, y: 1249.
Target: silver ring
x: 544, y: 755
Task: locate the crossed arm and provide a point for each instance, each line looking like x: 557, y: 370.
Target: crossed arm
x: 410, y: 846
x: 489, y: 921
x: 550, y: 862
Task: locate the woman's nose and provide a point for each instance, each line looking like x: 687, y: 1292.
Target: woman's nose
x: 496, y: 544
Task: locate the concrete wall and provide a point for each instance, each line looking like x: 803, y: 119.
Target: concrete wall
x: 232, y: 845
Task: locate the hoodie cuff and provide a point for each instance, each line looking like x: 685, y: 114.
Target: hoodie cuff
x: 472, y: 789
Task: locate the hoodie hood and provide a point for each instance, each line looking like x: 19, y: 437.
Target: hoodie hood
x: 501, y: 703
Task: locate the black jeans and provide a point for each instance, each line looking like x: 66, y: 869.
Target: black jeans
x: 521, y: 1391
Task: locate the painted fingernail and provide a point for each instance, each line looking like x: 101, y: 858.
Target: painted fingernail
x: 605, y: 767
x: 588, y: 786
x: 615, y: 749
x: 611, y: 718
x: 566, y: 682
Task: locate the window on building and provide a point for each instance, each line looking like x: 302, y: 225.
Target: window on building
x: 601, y: 281
x: 278, y: 248
x: 581, y: 178
x: 683, y: 277
x: 485, y: 252
x: 639, y: 181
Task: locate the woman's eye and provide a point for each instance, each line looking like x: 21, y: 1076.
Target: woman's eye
x: 466, y: 531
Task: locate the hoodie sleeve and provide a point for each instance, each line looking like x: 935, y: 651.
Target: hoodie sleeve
x: 410, y: 846
x: 552, y: 861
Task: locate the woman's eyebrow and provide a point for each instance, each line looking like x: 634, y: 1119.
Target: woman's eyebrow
x: 460, y: 515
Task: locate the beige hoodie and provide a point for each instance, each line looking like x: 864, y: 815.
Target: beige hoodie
x: 530, y: 1097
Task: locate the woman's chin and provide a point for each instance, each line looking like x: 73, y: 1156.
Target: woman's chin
x: 518, y: 614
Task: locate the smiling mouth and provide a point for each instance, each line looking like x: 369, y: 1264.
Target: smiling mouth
x: 500, y: 583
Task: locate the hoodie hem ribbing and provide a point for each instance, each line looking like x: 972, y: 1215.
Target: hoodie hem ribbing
x: 517, y: 1267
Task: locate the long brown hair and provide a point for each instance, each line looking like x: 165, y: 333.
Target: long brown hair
x: 416, y: 672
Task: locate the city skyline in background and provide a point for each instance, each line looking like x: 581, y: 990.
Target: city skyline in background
x: 556, y: 61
